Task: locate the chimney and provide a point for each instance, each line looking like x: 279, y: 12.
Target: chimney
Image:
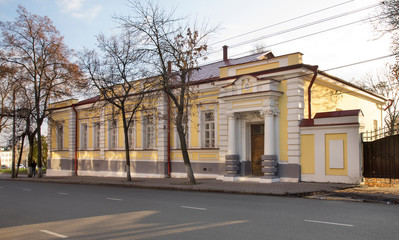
x: 169, y: 67
x: 225, y: 58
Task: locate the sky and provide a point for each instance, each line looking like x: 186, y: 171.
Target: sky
x: 79, y: 21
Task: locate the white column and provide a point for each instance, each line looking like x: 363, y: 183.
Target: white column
x: 231, y: 142
x: 269, y: 147
x: 102, y: 133
x: 277, y: 133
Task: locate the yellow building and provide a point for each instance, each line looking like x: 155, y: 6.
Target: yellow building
x: 260, y: 117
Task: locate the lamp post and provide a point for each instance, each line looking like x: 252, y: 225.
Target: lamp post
x: 13, y: 136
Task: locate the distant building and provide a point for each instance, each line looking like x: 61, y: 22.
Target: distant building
x: 260, y: 117
x: 6, y: 157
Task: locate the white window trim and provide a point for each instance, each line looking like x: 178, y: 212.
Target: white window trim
x: 60, y: 125
x: 144, y: 131
x: 188, y: 134
x: 110, y: 147
x: 96, y: 142
x: 131, y: 138
x: 84, y: 136
x: 202, y: 127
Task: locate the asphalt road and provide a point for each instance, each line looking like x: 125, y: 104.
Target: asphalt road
x: 31, y: 210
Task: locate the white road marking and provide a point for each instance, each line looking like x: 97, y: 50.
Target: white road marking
x: 63, y: 193
x: 27, y: 189
x: 114, y: 199
x: 331, y: 223
x: 195, y: 208
x: 54, y: 234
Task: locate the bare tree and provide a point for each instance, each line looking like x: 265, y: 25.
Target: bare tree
x: 258, y: 48
x: 386, y: 84
x: 6, y: 87
x: 165, y: 39
x: 32, y: 44
x: 387, y: 21
x: 115, y: 74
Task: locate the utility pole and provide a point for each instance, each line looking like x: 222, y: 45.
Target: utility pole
x: 13, y: 135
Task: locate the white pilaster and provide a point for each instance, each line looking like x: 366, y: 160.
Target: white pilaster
x: 277, y: 133
x: 102, y: 133
x: 162, y: 128
x: 231, y: 142
x: 295, y: 108
x: 72, y: 138
x: 269, y: 142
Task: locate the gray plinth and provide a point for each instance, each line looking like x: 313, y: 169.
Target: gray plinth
x: 232, y: 165
x: 269, y: 166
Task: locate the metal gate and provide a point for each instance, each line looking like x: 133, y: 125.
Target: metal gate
x: 381, y: 154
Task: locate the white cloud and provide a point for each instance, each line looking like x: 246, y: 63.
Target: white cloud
x: 71, y: 5
x: 89, y: 13
x: 77, y: 9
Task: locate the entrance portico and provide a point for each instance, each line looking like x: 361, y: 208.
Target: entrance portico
x: 246, y: 131
x: 250, y: 102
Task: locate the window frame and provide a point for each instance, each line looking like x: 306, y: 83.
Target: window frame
x: 97, y: 135
x: 113, y: 134
x: 147, y: 144
x: 212, y: 138
x: 60, y: 135
x: 130, y: 135
x: 84, y: 136
x: 187, y: 135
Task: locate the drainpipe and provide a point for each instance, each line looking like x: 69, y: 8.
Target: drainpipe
x: 390, y: 104
x: 168, y: 129
x: 314, y: 68
x: 168, y: 122
x: 76, y: 139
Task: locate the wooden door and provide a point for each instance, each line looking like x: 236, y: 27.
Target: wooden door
x: 257, y: 148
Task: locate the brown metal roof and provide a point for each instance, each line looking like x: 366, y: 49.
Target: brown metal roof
x: 344, y: 113
x: 89, y: 100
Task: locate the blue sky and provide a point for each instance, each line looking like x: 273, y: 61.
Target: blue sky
x: 79, y: 21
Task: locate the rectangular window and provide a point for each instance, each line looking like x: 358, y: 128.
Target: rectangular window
x: 130, y: 133
x: 209, y: 130
x: 149, y: 129
x: 113, y: 134
x: 96, y: 137
x: 177, y: 138
x: 83, y: 137
x: 60, y: 136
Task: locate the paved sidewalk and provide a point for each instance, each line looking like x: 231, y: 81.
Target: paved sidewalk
x: 329, y: 191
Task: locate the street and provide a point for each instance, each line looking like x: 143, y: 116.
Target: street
x: 30, y: 210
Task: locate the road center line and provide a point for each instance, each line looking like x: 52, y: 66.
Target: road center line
x: 63, y: 193
x: 54, y: 234
x: 114, y: 199
x: 330, y: 223
x: 195, y: 208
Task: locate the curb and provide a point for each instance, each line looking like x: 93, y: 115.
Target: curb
x: 319, y: 195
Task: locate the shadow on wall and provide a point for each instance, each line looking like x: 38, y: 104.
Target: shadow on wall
x: 324, y: 99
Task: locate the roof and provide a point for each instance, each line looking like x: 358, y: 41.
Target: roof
x: 352, y: 85
x: 212, y: 70
x: 345, y: 113
x: 89, y: 100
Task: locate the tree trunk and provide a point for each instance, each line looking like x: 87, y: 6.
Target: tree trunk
x: 20, y: 155
x: 125, y: 131
x: 184, y: 151
x: 39, y: 151
x: 31, y: 140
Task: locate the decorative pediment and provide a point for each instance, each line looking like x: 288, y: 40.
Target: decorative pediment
x: 248, y: 84
x: 245, y: 84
